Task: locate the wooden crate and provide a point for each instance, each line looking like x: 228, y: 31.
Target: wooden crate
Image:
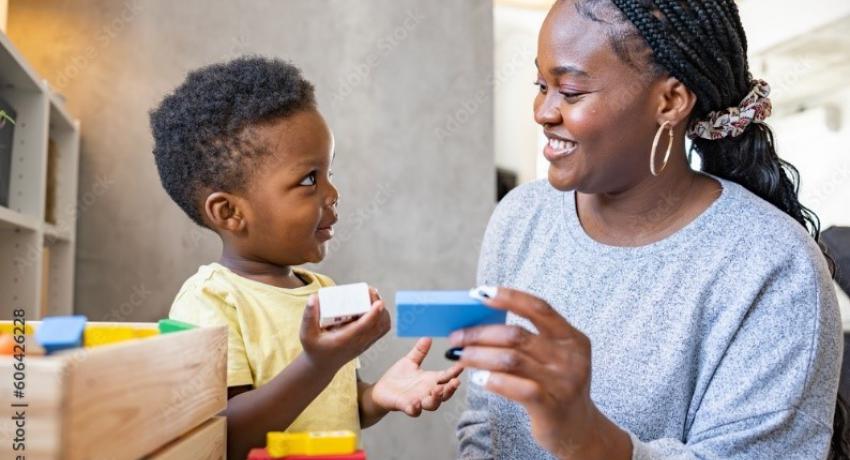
x: 206, y: 442
x: 121, y: 401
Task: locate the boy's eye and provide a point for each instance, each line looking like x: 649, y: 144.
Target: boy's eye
x: 310, y: 180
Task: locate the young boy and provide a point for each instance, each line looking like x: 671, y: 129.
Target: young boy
x: 243, y: 150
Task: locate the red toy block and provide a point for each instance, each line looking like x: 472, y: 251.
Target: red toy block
x: 359, y: 455
x: 261, y: 454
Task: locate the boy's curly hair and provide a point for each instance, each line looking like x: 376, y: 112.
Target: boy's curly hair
x: 202, y: 131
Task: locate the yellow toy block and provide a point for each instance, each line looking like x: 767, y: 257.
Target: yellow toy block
x: 102, y: 334
x: 9, y: 328
x: 282, y: 444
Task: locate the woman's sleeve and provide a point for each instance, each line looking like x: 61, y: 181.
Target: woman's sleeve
x: 773, y: 393
x: 473, y: 429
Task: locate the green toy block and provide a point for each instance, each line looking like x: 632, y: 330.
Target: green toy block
x: 167, y: 326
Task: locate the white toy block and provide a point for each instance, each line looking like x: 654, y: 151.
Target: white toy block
x: 339, y: 304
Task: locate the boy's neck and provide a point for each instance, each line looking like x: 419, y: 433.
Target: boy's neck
x: 259, y: 270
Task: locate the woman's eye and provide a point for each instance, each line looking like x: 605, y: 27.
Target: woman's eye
x: 310, y: 180
x: 330, y: 174
x: 540, y: 86
x: 572, y: 97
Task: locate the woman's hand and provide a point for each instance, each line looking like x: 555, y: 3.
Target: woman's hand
x: 548, y: 373
x: 408, y: 388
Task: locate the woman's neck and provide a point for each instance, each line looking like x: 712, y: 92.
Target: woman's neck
x: 649, y: 211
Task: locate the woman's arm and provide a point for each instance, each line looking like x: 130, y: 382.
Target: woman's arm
x: 473, y: 428
x: 771, y: 396
x: 548, y: 373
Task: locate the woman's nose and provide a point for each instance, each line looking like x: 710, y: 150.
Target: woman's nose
x: 546, y: 113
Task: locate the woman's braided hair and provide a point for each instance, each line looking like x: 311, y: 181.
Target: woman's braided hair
x: 702, y: 44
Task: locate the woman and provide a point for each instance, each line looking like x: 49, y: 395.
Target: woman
x: 703, y: 296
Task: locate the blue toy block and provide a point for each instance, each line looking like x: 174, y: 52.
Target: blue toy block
x: 439, y: 313
x: 61, y: 332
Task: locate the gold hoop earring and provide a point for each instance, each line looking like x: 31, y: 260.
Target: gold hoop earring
x: 655, y: 147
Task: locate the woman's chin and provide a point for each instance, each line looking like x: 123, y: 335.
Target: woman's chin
x: 561, y: 180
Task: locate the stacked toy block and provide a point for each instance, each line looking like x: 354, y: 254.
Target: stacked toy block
x: 320, y: 445
x: 114, y: 390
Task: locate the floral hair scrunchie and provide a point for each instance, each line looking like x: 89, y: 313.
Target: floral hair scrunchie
x: 755, y: 108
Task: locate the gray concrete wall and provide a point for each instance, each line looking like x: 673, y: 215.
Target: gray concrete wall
x: 406, y: 86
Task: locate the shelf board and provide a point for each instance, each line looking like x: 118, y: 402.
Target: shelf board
x: 53, y: 233
x: 16, y: 72
x: 60, y: 119
x: 10, y: 219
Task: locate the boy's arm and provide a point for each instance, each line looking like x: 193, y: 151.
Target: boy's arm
x: 406, y: 387
x: 370, y: 413
x: 275, y: 405
x: 251, y: 412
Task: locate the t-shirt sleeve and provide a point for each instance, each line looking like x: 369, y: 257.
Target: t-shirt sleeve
x: 773, y: 393
x: 201, y: 307
x: 473, y: 428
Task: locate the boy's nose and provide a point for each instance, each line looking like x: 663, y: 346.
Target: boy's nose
x: 333, y: 198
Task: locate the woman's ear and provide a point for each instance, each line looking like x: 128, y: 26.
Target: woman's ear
x: 675, y: 102
x: 224, y: 213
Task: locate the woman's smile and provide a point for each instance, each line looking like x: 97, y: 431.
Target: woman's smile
x: 558, y: 147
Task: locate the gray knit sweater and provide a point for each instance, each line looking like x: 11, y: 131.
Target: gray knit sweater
x: 720, y: 341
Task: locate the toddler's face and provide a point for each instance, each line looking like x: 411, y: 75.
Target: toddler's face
x: 291, y: 202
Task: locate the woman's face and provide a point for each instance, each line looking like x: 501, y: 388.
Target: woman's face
x: 597, y: 111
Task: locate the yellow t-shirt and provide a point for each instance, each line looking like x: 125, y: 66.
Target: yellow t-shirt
x: 264, y: 323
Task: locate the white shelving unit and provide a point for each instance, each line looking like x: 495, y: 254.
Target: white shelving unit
x: 37, y: 229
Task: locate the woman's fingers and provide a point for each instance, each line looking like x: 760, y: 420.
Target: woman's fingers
x: 547, y: 321
x: 522, y: 390
x: 498, y: 359
x: 514, y: 337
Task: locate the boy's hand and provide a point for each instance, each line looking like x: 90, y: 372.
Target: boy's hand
x: 341, y: 344
x: 407, y: 387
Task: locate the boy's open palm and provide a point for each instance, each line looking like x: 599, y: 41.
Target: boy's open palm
x: 408, y: 388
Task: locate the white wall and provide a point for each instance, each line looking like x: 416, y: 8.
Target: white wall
x: 4, y: 6
x: 516, y: 134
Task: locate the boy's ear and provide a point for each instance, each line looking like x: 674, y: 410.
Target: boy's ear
x: 224, y: 212
x: 675, y: 103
